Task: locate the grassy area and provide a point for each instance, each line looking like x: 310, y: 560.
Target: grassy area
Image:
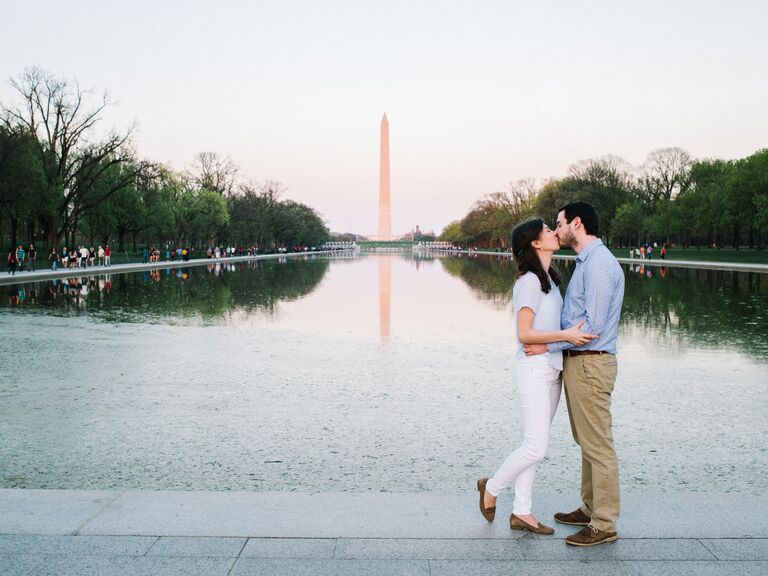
x: 743, y: 256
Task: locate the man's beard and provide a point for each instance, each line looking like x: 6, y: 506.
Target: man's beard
x: 566, y: 240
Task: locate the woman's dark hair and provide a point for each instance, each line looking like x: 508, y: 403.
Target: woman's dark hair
x: 525, y: 254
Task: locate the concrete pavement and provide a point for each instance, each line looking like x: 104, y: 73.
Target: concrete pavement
x: 222, y: 533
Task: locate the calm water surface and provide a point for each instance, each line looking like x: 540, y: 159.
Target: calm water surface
x: 375, y: 373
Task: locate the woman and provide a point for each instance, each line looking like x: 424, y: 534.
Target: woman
x: 537, y: 304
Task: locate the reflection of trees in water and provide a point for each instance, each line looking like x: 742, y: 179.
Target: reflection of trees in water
x: 264, y: 287
x: 705, y: 307
x: 490, y: 278
x: 206, y: 291
x: 709, y: 307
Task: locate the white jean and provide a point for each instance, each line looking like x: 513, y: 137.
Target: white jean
x: 538, y: 386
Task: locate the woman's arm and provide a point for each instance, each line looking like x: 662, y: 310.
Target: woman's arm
x: 527, y: 335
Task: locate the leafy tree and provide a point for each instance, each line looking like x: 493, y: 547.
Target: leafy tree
x: 452, y: 233
x: 64, y: 124
x: 548, y: 201
x: 22, y: 178
x: 628, y: 223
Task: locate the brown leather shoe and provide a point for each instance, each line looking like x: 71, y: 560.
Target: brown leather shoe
x: 575, y: 518
x: 488, y: 513
x: 517, y: 523
x: 589, y: 536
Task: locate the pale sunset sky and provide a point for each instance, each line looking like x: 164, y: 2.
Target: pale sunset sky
x: 478, y: 94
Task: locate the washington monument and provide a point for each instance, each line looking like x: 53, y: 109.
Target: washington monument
x: 385, y: 212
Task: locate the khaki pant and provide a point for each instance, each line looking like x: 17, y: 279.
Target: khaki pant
x: 588, y: 380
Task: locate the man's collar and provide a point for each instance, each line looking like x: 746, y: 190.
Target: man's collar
x: 589, y: 248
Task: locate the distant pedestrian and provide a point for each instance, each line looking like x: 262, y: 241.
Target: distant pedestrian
x: 92, y: 256
x: 650, y: 252
x: 642, y: 252
x: 663, y: 252
x: 32, y: 256
x: 100, y: 255
x: 107, y: 256
x: 12, y: 262
x: 144, y: 255
x: 20, y: 258
x: 53, y: 258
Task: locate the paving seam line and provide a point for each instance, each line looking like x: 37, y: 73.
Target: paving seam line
x: 157, y: 539
x: 235, y: 560
x: 707, y: 548
x: 242, y: 547
x: 77, y: 531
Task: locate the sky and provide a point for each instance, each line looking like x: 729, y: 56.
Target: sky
x: 478, y: 94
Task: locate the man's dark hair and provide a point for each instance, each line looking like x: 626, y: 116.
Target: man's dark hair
x: 586, y: 212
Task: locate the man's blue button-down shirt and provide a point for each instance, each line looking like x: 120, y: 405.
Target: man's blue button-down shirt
x: 594, y: 294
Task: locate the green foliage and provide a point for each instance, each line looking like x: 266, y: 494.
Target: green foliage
x: 452, y: 233
x: 628, y: 223
x: 259, y: 218
x: 22, y: 174
x: 670, y: 199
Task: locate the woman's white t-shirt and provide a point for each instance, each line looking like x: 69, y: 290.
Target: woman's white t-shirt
x: 547, y: 309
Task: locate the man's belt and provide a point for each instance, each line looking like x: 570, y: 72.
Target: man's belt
x: 573, y: 353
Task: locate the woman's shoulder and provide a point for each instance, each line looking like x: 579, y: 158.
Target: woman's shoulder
x: 526, y: 278
x: 527, y: 281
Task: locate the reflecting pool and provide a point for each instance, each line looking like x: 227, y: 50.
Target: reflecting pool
x: 368, y: 373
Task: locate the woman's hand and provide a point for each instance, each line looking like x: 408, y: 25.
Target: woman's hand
x: 575, y: 336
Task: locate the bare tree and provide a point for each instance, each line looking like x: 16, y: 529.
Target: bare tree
x: 215, y: 173
x: 516, y: 199
x: 665, y: 174
x: 58, y: 115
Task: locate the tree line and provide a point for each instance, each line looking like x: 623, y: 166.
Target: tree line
x: 63, y: 180
x: 671, y: 199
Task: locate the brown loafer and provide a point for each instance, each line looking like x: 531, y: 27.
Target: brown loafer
x: 488, y: 513
x: 517, y: 523
x: 589, y: 536
x: 575, y: 518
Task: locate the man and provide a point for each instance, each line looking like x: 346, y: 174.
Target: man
x: 594, y: 295
x: 20, y: 258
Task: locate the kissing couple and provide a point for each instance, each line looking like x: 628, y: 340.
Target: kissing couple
x: 567, y: 344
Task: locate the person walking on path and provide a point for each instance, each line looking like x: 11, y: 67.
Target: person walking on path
x: 107, y: 256
x: 12, y: 262
x: 20, y: 255
x: 100, y: 256
x: 537, y: 304
x: 53, y: 258
x: 32, y: 256
x: 595, y: 294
